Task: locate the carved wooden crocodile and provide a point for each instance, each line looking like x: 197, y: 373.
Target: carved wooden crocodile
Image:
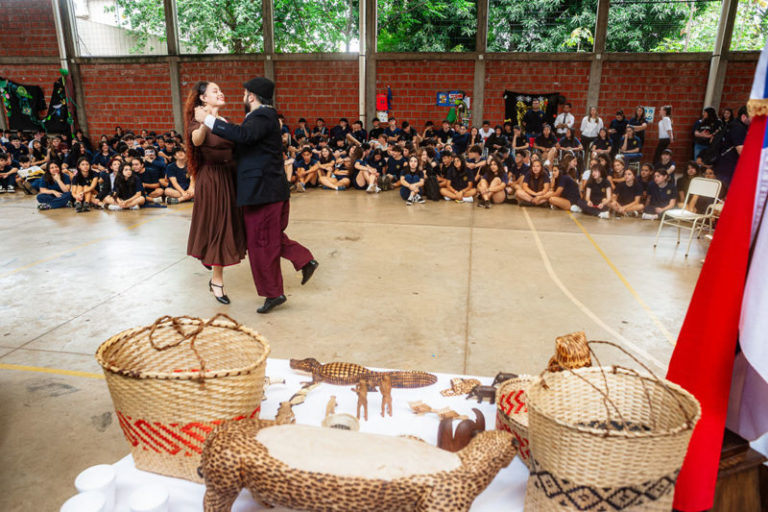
x: 344, y: 374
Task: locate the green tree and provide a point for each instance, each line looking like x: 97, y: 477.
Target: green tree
x: 315, y: 26
x: 427, y: 25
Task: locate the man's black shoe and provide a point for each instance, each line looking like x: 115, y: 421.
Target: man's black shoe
x: 308, y: 269
x: 271, y: 303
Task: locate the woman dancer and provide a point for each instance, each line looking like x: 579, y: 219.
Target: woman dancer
x: 217, y: 231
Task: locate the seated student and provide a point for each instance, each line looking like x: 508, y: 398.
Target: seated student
x: 698, y: 204
x: 427, y: 162
x: 377, y: 161
x: 181, y: 186
x: 365, y: 176
x: 617, y: 128
x: 358, y: 135
x: 441, y: 170
x: 320, y: 131
x: 546, y: 143
x: 54, y: 189
x: 395, y: 167
x: 27, y: 174
x: 475, y: 160
x: 165, y: 150
x: 8, y: 170
x: 444, y: 135
x: 617, y: 174
x: 692, y: 170
x: 150, y: 181
x: 380, y: 143
x: 535, y: 187
x: 128, y: 193
x: 288, y: 162
x: 344, y: 171
x: 301, y: 132
x: 666, y: 162
x: 461, y: 140
x: 460, y: 183
x: 376, y: 130
x: 38, y: 154
x: 84, y: 185
x: 602, y: 144
x: 326, y: 165
x: 429, y: 135
x: 564, y: 192
x: 518, y: 141
x: 338, y: 148
x: 100, y: 161
x: 496, y: 141
x: 407, y: 133
x: 645, y: 178
x: 568, y: 143
x: 306, y: 168
x: 628, y: 195
x: 597, y: 195
x: 493, y: 184
x: 662, y: 195
x: 411, y: 182
x: 107, y: 182
x: 341, y: 130
x: 16, y: 148
x: 392, y: 132
x: 516, y: 173
x: 630, y: 145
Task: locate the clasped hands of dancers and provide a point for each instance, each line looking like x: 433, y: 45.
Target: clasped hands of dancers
x: 242, y: 204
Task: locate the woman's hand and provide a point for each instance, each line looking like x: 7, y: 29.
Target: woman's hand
x: 56, y: 194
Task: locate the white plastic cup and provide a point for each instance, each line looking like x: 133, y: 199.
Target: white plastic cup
x: 149, y: 498
x: 99, y: 478
x: 91, y: 501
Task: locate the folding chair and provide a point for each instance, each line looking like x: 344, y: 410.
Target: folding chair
x: 683, y: 219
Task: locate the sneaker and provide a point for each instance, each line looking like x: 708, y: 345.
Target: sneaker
x: 634, y: 214
x: 172, y: 200
x: 43, y: 206
x: 419, y: 199
x: 487, y: 204
x: 69, y: 204
x: 575, y: 208
x: 468, y: 200
x: 114, y: 208
x: 28, y: 190
x: 369, y: 190
x: 389, y: 182
x: 86, y: 207
x: 11, y: 189
x: 604, y: 215
x: 157, y: 200
x: 380, y: 181
x: 135, y: 207
x: 447, y: 198
x: 340, y: 188
x: 650, y: 216
x: 300, y: 187
x: 78, y: 206
x: 377, y: 190
x: 2, y: 190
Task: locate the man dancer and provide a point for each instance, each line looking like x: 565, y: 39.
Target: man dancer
x: 262, y: 191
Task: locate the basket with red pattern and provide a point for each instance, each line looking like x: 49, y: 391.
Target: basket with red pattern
x: 512, y: 413
x: 172, y: 382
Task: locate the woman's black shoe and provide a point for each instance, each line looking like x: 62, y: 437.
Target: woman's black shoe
x: 223, y: 299
x: 208, y: 267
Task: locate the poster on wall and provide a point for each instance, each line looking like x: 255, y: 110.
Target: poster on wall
x: 649, y: 112
x: 516, y: 104
x: 449, y: 98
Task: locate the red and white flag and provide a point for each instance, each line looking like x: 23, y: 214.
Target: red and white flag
x: 729, y: 307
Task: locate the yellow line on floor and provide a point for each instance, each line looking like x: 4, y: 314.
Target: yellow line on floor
x: 90, y: 242
x: 55, y: 371
x: 621, y: 277
x: 588, y: 312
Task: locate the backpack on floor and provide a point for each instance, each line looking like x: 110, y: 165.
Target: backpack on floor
x: 432, y: 188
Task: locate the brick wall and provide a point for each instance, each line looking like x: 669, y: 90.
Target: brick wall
x: 313, y: 89
x: 133, y: 96
x: 27, y: 29
x: 570, y: 79
x: 738, y: 84
x: 229, y: 76
x: 626, y: 85
x: 415, y: 85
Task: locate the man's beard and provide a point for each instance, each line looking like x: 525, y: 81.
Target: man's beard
x: 247, y: 107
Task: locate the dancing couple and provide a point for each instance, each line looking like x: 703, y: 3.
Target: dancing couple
x: 241, y: 202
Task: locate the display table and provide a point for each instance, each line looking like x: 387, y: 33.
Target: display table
x: 506, y: 492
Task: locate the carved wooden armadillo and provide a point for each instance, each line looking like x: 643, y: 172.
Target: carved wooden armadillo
x: 349, y: 374
x: 326, y: 470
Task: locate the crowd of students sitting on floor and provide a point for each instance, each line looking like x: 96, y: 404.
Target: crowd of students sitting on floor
x: 533, y: 165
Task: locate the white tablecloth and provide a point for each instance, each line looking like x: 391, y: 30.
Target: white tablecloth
x: 506, y: 492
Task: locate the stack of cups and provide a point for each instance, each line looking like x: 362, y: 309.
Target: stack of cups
x: 96, y: 486
x: 149, y: 498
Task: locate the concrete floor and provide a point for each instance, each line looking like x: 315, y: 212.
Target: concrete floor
x: 444, y: 287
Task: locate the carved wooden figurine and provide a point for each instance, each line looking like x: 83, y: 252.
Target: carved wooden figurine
x: 502, y: 377
x: 285, y: 414
x: 385, y: 386
x: 481, y: 392
x: 362, y: 397
x: 331, y: 407
x: 452, y: 441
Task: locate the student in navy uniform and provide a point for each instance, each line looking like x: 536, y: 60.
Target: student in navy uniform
x: 460, y: 184
x: 546, y: 143
x: 493, y: 184
x: 630, y: 146
x: 326, y: 164
x: 128, y: 193
x: 569, y: 143
x: 100, y: 161
x: 358, y: 135
x: 376, y: 130
x: 181, y: 186
x: 496, y: 141
x: 597, y: 195
x: 617, y: 172
x: 429, y: 135
x: 628, y: 195
x: 731, y: 146
x: 378, y: 162
x: 564, y: 191
x: 84, y: 185
x: 461, y: 140
x: 662, y: 195
x: 306, y: 168
x: 666, y: 162
x: 392, y: 131
x: 301, y: 132
x: 533, y: 120
x: 692, y: 170
x: 475, y: 161
x: 107, y: 181
x: 516, y: 173
x: 16, y: 148
x: 38, y: 154
x: 365, y: 176
x: 518, y: 142
x: 535, y: 187
x: 411, y: 182
x: 407, y: 133
x: 319, y: 132
x: 395, y: 167
x: 150, y: 179
x: 639, y: 124
x: 645, y: 178
x: 617, y: 129
x: 341, y: 130
x: 444, y: 135
x: 8, y: 170
x: 54, y: 189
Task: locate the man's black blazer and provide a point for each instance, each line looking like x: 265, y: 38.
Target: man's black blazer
x: 260, y: 175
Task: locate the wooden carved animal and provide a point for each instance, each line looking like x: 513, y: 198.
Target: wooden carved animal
x: 482, y: 392
x: 386, y: 394
x: 327, y: 470
x: 502, y: 377
x: 362, y: 397
x: 452, y: 441
x: 285, y: 414
x: 330, y: 408
x: 344, y: 374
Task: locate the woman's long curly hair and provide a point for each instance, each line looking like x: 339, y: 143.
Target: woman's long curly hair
x: 193, y: 100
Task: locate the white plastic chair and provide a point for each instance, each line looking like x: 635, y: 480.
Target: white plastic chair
x: 684, y: 219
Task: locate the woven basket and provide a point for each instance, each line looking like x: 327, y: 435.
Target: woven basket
x: 173, y: 381
x: 512, y: 413
x: 606, y: 439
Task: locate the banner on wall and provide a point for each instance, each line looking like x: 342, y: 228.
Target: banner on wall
x: 449, y: 98
x: 23, y: 104
x: 516, y: 104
